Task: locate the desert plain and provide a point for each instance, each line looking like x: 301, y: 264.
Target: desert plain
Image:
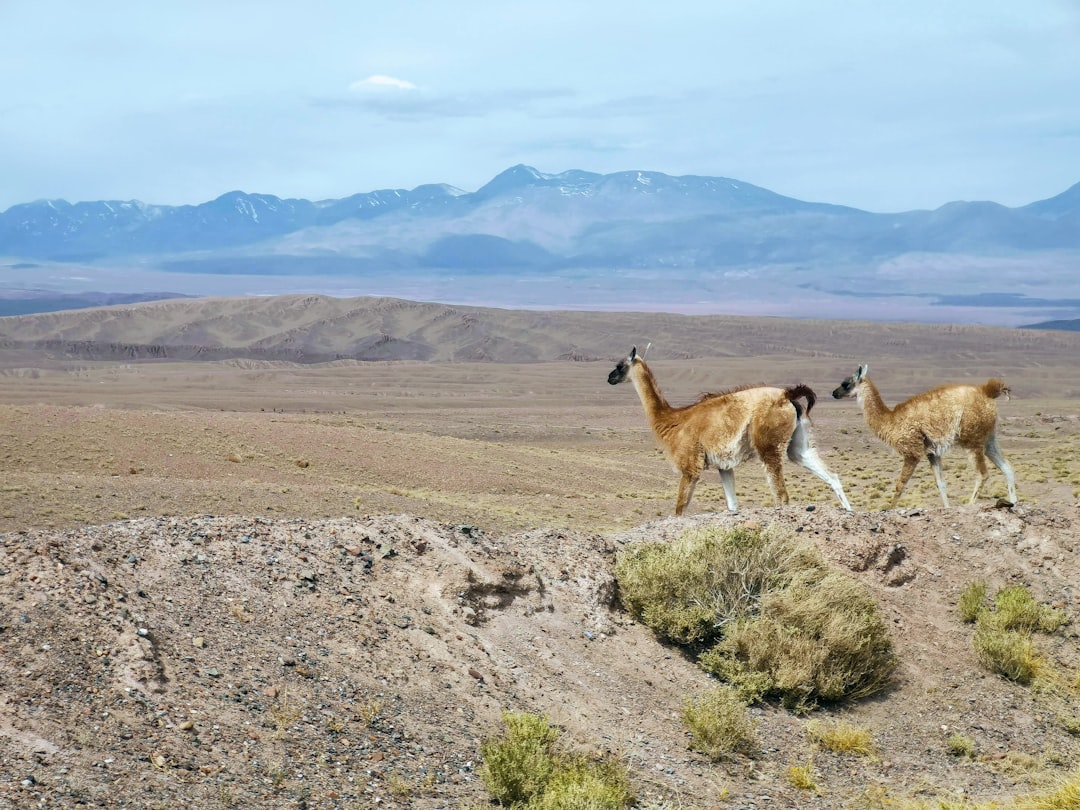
x: 315, y: 567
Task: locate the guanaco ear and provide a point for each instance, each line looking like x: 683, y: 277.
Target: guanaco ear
x: 633, y: 354
x: 861, y: 372
x: 647, y: 347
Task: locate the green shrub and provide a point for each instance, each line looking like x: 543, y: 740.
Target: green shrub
x: 584, y: 784
x: 519, y: 765
x: 719, y: 723
x: 972, y: 601
x: 524, y: 769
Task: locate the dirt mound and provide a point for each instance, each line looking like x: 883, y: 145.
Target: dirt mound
x: 244, y: 662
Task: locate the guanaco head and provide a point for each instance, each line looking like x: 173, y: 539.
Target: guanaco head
x: 622, y: 371
x: 849, y: 386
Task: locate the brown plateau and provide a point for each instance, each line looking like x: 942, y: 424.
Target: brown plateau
x: 299, y: 581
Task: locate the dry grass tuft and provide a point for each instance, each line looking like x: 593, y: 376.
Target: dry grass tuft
x: 960, y: 746
x: 842, y: 737
x: 719, y: 723
x: 802, y: 777
x: 972, y: 601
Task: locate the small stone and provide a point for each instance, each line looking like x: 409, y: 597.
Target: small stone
x: 199, y: 642
x: 187, y: 725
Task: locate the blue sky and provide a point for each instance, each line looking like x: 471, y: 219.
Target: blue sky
x: 882, y: 106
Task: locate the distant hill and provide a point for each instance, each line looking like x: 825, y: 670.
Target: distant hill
x: 1072, y: 325
x: 319, y: 329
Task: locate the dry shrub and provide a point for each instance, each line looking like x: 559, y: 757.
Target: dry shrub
x: 719, y: 723
x: 687, y: 590
x: 787, y: 624
x: 819, y: 639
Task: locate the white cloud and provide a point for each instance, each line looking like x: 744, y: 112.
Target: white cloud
x: 378, y: 81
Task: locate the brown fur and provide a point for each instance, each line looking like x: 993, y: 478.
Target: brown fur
x: 724, y: 429
x: 930, y: 423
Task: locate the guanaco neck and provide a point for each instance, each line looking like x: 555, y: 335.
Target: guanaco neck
x: 648, y: 391
x: 878, y: 414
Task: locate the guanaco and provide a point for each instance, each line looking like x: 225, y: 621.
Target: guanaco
x: 724, y: 429
x: 933, y: 421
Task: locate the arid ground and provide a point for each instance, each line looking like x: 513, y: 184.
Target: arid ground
x: 242, y: 582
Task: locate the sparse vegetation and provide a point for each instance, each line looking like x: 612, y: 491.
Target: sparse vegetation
x: 425, y: 731
x: 1064, y: 796
x: 1003, y: 635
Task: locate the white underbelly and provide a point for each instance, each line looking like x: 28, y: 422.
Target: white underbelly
x: 731, y: 455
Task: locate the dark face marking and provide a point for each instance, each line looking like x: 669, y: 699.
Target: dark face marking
x: 619, y: 373
x: 846, y: 389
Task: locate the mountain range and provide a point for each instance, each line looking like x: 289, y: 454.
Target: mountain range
x: 536, y: 235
